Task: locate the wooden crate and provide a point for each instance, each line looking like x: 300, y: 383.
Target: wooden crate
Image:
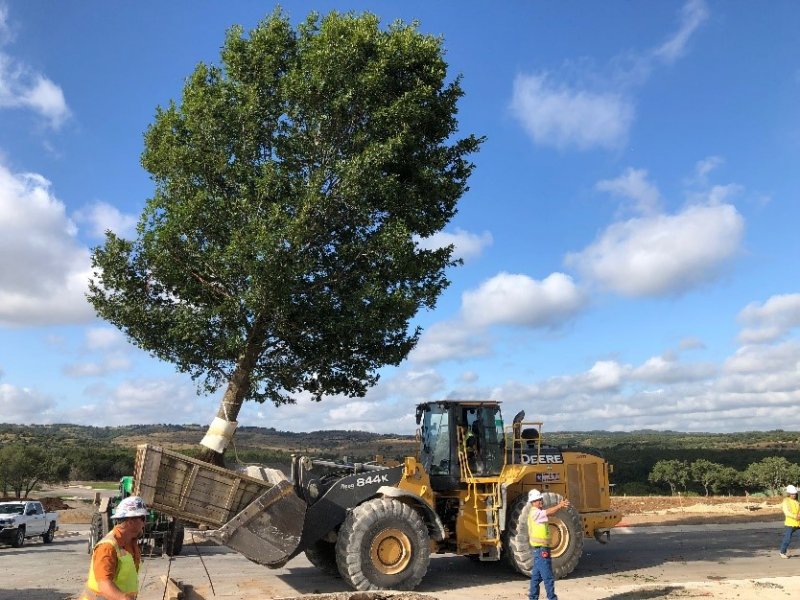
x: 190, y: 489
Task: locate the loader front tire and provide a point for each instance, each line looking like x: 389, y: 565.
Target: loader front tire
x: 383, y: 545
x: 98, y: 529
x: 322, y: 555
x: 566, y: 537
x: 173, y: 538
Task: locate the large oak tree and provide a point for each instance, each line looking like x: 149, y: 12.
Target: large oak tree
x: 279, y: 252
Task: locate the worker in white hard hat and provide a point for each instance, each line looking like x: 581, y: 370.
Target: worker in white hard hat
x: 114, y: 572
x: 791, y: 522
x: 539, y: 537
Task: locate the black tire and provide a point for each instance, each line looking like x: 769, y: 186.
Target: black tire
x: 566, y: 537
x: 322, y: 555
x: 19, y: 537
x: 383, y: 545
x: 97, y: 530
x: 173, y: 539
x: 48, y: 535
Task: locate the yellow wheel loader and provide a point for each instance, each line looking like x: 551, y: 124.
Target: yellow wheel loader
x: 376, y: 524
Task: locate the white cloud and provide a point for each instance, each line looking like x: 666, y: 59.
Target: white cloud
x: 784, y: 357
x: 691, y: 343
x: 466, y: 245
x: 563, y: 115
x: 110, y: 363
x: 24, y: 405
x: 145, y: 400
x: 102, y: 217
x: 21, y: 87
x: 663, y: 254
x: 693, y: 14
x: 667, y: 369
x: 469, y: 377
x: 449, y: 340
x: 705, y: 166
x: 556, y: 115
x: 43, y: 269
x: 771, y: 320
x: 516, y: 299
x: 758, y: 388
x: 633, y: 184
x: 103, y: 338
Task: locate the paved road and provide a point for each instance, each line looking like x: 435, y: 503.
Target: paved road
x: 655, y: 562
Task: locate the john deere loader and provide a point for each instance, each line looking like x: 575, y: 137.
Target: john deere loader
x: 376, y: 524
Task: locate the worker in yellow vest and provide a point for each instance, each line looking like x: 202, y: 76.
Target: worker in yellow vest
x: 539, y: 537
x: 791, y: 512
x: 114, y: 572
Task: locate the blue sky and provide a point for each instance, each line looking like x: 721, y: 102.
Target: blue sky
x: 629, y: 237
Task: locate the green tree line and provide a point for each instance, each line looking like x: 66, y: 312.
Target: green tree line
x: 769, y: 475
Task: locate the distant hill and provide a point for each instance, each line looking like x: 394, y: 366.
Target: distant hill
x: 108, y: 451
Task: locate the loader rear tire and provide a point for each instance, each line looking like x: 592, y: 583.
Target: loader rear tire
x: 322, y: 555
x: 566, y: 537
x: 383, y: 545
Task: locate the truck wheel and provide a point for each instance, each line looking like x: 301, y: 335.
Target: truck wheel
x: 48, y: 535
x: 19, y: 537
x: 566, y: 537
x: 322, y: 555
x: 383, y: 544
x: 173, y: 539
x: 97, y: 530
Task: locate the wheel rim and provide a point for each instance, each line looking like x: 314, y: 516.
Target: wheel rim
x: 390, y: 551
x: 559, y: 537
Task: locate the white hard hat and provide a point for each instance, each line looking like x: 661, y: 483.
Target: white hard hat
x: 132, y: 506
x: 790, y: 489
x: 534, y: 495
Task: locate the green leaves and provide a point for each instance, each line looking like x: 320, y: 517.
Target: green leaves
x: 290, y: 183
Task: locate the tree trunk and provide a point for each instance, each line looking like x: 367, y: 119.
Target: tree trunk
x: 237, y: 389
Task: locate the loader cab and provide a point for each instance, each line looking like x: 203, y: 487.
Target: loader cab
x: 454, y: 431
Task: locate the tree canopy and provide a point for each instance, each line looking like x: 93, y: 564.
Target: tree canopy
x: 23, y: 466
x: 280, y: 250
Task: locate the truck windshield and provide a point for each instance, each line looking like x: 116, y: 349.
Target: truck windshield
x: 11, y: 509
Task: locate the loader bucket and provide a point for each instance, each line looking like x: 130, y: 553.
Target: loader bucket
x: 267, y: 531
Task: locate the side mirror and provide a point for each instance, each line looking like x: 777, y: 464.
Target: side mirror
x: 31, y: 511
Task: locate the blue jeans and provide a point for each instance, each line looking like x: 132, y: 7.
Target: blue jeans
x: 787, y: 537
x: 542, y: 572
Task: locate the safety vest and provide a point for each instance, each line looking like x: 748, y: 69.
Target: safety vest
x: 538, y: 533
x: 791, y: 507
x: 126, y: 578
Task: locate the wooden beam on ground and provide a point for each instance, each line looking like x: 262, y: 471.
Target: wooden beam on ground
x: 174, y: 590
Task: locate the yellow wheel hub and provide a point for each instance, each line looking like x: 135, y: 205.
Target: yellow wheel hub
x: 559, y: 537
x: 390, y: 551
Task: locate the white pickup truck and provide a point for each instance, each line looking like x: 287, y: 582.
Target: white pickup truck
x: 24, y: 519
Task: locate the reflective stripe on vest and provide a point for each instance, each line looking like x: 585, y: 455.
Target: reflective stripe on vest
x: 126, y: 578
x: 791, y: 507
x: 538, y: 533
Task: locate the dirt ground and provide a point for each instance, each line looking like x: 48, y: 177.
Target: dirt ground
x: 695, y: 510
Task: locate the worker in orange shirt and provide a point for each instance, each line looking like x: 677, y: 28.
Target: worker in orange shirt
x: 114, y: 572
